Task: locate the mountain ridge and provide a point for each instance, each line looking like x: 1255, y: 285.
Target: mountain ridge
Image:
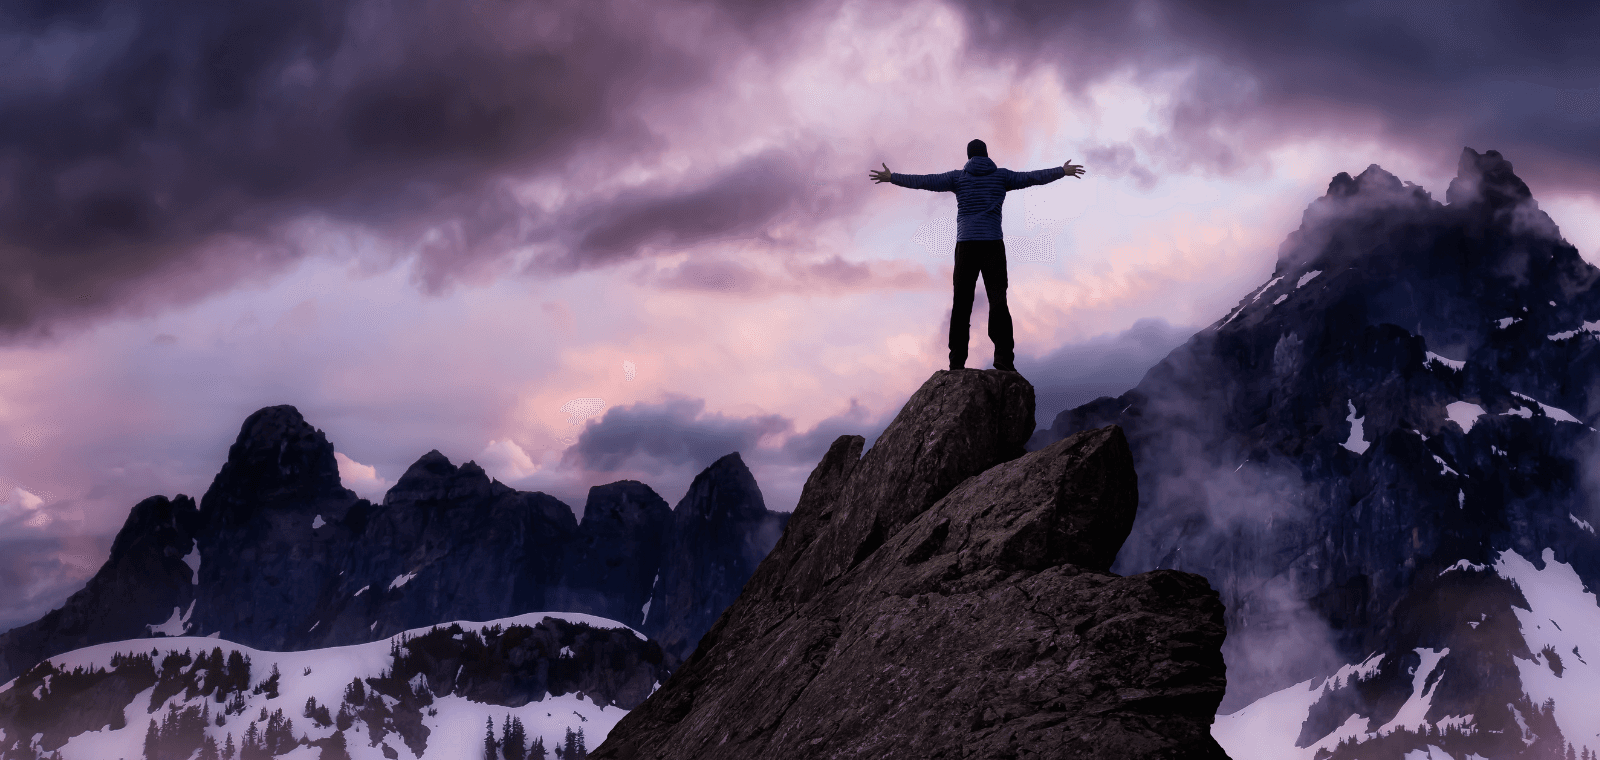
x: 279, y: 555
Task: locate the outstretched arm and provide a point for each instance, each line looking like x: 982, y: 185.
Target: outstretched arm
x: 1019, y: 180
x: 939, y: 183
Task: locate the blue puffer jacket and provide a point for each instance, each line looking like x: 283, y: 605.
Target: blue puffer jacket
x: 980, y: 190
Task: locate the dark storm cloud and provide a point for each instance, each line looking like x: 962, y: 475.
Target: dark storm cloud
x: 672, y: 433
x: 733, y: 203
x: 1077, y: 373
x: 1519, y: 77
x: 134, y: 136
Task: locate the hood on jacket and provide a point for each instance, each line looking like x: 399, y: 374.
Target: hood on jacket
x: 979, y: 165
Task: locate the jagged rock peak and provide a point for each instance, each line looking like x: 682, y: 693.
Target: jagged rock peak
x: 973, y: 616
x: 623, y: 502
x: 1486, y: 179
x: 727, y: 487
x: 277, y: 458
x: 434, y: 478
x: 169, y: 522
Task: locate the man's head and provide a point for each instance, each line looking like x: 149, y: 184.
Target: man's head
x: 977, y: 148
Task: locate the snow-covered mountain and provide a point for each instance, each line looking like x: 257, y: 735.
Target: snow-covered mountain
x: 429, y: 692
x: 278, y: 555
x: 1384, y: 459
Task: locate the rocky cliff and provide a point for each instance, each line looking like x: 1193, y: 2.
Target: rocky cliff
x: 280, y: 556
x: 947, y: 595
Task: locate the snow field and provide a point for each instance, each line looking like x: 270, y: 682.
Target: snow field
x: 1561, y: 620
x: 456, y: 729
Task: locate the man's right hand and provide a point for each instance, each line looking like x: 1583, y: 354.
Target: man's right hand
x: 1072, y: 171
x: 882, y: 176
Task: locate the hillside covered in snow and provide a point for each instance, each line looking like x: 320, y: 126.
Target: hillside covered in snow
x: 548, y: 680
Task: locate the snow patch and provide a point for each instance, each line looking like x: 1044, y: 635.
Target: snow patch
x: 1265, y: 288
x: 192, y: 559
x: 1413, y: 714
x: 1355, y: 442
x: 1556, y: 594
x: 1581, y: 523
x: 362, y: 591
x: 1463, y: 413
x: 1461, y: 499
x: 1559, y: 415
x: 1462, y: 564
x: 1507, y: 322
x: 175, y: 625
x: 1588, y: 327
x: 644, y: 614
x: 1257, y: 297
x: 1280, y: 299
x: 1307, y: 277
x: 1451, y: 363
x: 401, y: 580
x: 318, y: 522
x: 1445, y: 468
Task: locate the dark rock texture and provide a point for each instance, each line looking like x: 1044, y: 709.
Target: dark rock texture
x: 945, y: 596
x: 141, y: 585
x: 721, y: 531
x: 1300, y: 453
x: 290, y: 559
x: 613, y: 563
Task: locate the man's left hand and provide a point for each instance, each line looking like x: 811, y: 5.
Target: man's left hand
x: 1072, y: 171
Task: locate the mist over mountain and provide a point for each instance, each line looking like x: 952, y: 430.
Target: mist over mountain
x: 278, y: 555
x: 1382, y: 458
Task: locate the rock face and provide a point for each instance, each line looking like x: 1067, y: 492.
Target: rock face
x: 947, y: 596
x: 289, y: 559
x: 1363, y: 454
x: 720, y: 533
x: 144, y: 583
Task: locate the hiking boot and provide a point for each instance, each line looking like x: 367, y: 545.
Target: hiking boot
x: 1005, y: 366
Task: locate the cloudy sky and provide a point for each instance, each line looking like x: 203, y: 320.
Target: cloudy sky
x: 578, y: 242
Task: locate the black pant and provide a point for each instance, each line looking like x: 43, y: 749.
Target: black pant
x: 989, y: 258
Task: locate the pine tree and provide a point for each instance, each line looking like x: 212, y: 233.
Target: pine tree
x: 152, y: 742
x: 514, y: 744
x: 489, y: 750
x: 335, y: 748
x: 536, y: 751
x: 227, y: 748
x: 208, y: 749
x: 583, y: 749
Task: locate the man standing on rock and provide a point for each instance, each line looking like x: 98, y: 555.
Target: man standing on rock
x: 980, y: 189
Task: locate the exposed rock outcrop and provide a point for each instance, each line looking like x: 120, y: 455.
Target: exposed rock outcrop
x: 946, y: 596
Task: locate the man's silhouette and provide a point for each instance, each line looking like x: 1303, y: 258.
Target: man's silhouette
x: 980, y: 190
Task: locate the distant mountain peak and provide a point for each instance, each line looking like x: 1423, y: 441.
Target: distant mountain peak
x: 278, y: 459
x: 432, y: 477
x: 1486, y: 178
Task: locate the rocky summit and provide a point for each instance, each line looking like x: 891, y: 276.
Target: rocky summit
x: 1383, y: 458
x: 947, y: 595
